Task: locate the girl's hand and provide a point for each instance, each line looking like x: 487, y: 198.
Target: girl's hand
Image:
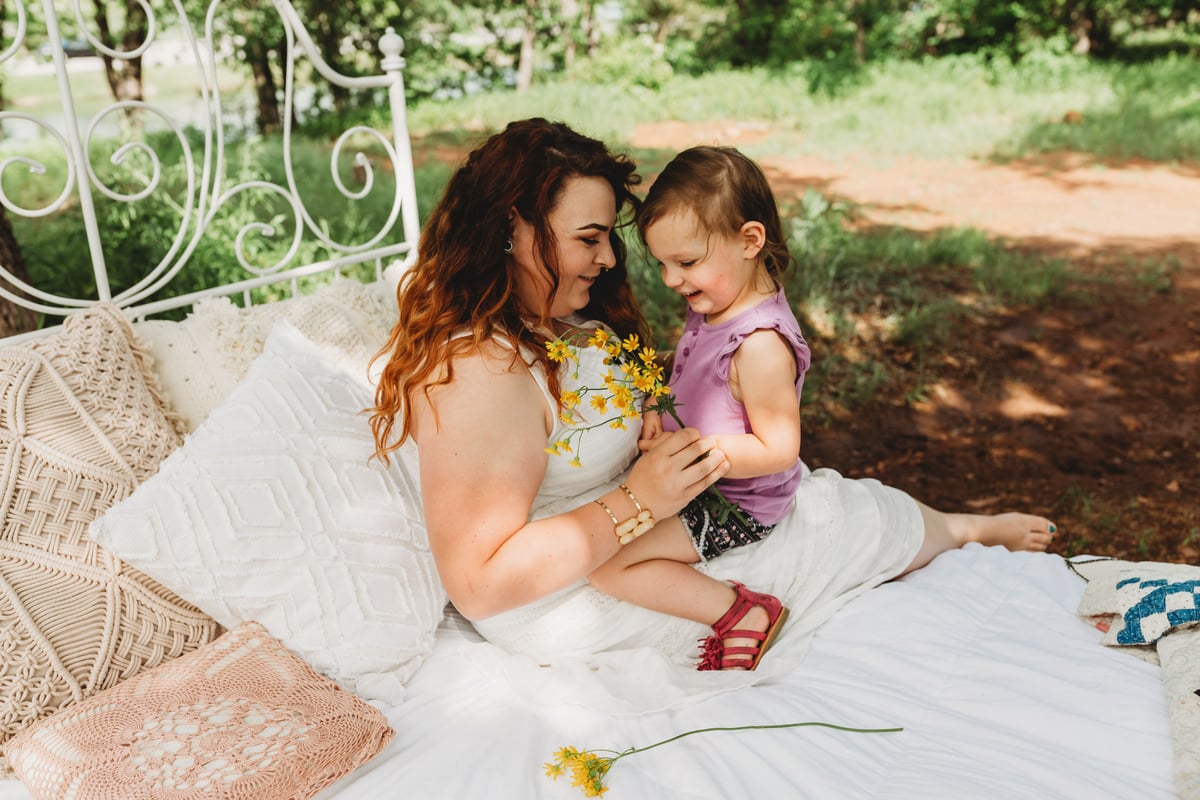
x: 676, y: 467
x: 651, y: 429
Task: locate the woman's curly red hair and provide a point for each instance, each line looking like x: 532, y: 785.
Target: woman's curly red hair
x: 461, y: 291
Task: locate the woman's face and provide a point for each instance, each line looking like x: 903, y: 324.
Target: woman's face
x: 581, y: 220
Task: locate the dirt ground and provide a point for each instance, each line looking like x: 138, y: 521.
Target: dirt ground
x: 1088, y: 412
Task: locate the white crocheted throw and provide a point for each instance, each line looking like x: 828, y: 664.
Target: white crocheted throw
x: 1153, y: 610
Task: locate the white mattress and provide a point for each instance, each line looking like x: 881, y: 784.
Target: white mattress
x: 1002, y: 691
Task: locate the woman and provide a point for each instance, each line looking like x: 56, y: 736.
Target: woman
x: 522, y: 249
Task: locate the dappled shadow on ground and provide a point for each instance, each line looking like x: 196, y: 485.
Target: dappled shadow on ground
x: 1088, y: 411
x: 1065, y: 166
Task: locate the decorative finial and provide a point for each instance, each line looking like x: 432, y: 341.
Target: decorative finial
x: 391, y: 44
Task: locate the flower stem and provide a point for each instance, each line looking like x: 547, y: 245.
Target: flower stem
x: 727, y: 505
x: 677, y: 737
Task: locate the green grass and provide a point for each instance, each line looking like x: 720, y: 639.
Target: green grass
x: 908, y: 288
x: 170, y: 86
x: 953, y: 107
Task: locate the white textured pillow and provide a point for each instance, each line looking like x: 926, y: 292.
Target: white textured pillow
x: 272, y: 512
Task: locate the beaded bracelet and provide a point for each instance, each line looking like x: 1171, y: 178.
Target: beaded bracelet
x: 633, y: 527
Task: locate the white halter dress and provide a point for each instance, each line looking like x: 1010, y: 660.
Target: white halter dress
x: 582, y: 647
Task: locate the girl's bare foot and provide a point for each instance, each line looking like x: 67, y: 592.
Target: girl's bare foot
x: 1013, y: 530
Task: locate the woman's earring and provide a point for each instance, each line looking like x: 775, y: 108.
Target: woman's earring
x: 508, y: 245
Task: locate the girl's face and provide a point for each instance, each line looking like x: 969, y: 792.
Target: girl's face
x: 582, y: 219
x: 718, y: 275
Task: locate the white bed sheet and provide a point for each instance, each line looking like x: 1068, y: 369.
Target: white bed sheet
x: 1002, y: 691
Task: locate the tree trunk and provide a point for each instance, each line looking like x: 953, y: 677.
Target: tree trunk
x: 662, y: 31
x: 13, y: 318
x: 591, y: 29
x: 124, y: 75
x: 1092, y: 30
x: 570, y: 19
x: 858, y: 17
x: 259, y: 56
x: 528, y: 40
x: 1080, y: 25
x: 3, y: 16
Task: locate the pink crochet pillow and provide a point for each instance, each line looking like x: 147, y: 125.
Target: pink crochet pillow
x: 241, y: 717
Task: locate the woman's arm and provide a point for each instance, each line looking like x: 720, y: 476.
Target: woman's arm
x: 763, y: 379
x: 482, y: 461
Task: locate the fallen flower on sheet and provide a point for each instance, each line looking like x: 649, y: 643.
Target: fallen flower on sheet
x: 588, y: 770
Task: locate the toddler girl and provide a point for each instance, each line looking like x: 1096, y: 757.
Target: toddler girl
x: 712, y: 223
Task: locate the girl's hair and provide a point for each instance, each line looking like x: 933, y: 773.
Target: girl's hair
x: 462, y: 289
x: 725, y: 190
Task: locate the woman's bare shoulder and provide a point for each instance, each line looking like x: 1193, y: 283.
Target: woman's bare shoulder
x: 487, y: 380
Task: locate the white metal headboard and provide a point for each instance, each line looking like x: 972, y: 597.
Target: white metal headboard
x: 205, y: 192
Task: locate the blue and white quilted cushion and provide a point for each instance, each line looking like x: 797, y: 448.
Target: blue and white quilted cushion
x: 1150, y: 603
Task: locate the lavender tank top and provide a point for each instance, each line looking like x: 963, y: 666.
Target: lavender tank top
x: 700, y: 384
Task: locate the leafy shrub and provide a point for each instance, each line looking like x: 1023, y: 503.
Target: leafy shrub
x: 636, y: 61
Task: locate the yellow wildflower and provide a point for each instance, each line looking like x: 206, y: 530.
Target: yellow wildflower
x: 632, y: 376
x: 622, y: 396
x: 589, y: 770
x: 558, y: 351
x: 645, y: 383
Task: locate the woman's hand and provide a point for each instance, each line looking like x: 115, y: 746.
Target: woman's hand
x: 676, y: 467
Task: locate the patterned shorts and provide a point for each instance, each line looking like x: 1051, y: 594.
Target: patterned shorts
x: 713, y: 536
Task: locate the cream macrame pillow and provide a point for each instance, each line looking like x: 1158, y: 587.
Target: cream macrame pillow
x: 242, y: 718
x: 80, y: 428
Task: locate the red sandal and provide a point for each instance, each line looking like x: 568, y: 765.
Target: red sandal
x: 715, y: 656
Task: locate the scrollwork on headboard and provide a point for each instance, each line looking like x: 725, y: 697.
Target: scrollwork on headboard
x: 200, y: 189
